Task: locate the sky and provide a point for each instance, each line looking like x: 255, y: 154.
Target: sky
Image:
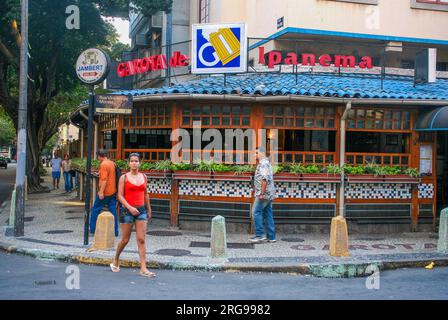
x: 122, y: 27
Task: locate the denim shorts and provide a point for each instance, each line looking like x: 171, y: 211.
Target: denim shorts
x: 56, y: 175
x: 128, y: 218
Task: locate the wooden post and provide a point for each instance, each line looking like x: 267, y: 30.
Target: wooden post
x: 414, y: 163
x: 176, y: 115
x: 120, y: 126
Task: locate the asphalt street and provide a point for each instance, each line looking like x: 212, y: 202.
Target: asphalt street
x: 27, y: 278
x: 7, y: 181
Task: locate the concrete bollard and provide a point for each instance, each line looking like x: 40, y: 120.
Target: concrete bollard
x: 339, y: 237
x: 104, y: 238
x: 218, y: 243
x: 442, y: 245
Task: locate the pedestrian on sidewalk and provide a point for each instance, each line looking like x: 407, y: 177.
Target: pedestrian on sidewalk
x: 56, y: 163
x: 135, y: 209
x: 107, y: 191
x: 264, y: 195
x: 67, y: 169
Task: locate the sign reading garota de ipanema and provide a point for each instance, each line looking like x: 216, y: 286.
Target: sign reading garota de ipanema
x: 113, y: 103
x: 219, y: 48
x: 92, y: 66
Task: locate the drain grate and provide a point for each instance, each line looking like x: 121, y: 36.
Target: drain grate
x: 230, y: 245
x: 172, y: 252
x: 164, y: 233
x: 44, y: 282
x: 292, y: 239
x: 58, y: 231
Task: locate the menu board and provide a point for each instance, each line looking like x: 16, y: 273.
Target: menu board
x: 426, y: 159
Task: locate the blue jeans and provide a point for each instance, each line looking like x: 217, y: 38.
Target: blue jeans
x: 68, y: 181
x: 111, y: 202
x: 264, y: 219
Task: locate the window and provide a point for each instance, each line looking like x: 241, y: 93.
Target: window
x: 204, y: 11
x: 215, y: 116
x: 391, y: 120
x: 299, y: 117
x: 438, y: 5
x: 149, y: 117
x: 107, y: 121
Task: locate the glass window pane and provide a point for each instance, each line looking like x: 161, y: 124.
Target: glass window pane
x: 330, y: 123
x: 289, y: 112
x: 236, y: 110
x: 205, y: 121
x: 319, y: 112
x: 186, y: 111
x: 309, y: 123
x: 196, y: 110
x: 289, y: 122
x: 330, y: 112
x: 186, y: 121
x: 361, y: 124
x: 319, y: 123
x: 226, y: 110
x: 369, y: 124
x: 396, y: 160
x: 351, y: 123
x: 216, y: 110
x: 309, y: 112
x: 300, y: 111
x: 215, y: 121
x: 279, y: 111
x: 246, y: 121
x: 361, y: 113
x: 378, y: 124
x: 205, y: 110
x: 226, y: 121
x: 268, y: 110
x: 279, y: 122
x: 300, y: 122
x: 246, y: 110
x: 236, y: 121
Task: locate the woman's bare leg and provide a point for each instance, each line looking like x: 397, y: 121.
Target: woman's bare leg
x: 140, y: 228
x: 126, y: 235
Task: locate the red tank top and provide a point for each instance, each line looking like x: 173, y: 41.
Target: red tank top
x: 134, y: 195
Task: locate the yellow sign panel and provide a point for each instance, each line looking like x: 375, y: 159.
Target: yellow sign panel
x: 225, y: 44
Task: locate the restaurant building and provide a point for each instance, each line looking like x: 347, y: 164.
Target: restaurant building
x: 327, y: 97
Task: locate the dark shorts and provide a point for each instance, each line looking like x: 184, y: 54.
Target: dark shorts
x: 56, y: 175
x: 128, y: 218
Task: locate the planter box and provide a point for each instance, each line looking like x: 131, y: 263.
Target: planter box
x: 218, y: 176
x: 153, y: 174
x: 307, y: 177
x: 370, y: 178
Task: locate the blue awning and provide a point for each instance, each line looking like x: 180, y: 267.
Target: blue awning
x: 434, y: 120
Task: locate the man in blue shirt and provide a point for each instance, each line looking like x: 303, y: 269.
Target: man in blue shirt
x: 56, y: 171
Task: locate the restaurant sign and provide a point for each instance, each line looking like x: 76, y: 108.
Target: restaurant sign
x: 113, y: 103
x: 273, y: 58
x: 152, y: 63
x: 92, y: 66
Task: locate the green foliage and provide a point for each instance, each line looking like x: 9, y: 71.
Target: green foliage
x: 354, y: 170
x: 241, y: 169
x: 121, y: 8
x: 296, y: 168
x: 333, y: 169
x: 277, y: 168
x: 412, y: 172
x: 122, y: 164
x: 163, y: 165
x: 181, y: 166
x: 312, y: 169
x: 205, y: 166
x: 147, y: 166
x: 7, y: 131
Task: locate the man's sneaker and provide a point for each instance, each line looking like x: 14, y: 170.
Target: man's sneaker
x: 272, y: 240
x: 257, y: 239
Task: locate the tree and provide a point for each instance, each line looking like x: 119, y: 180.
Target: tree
x: 53, y: 50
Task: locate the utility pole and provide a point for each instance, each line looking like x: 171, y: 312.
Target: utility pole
x: 169, y: 41
x: 21, y: 136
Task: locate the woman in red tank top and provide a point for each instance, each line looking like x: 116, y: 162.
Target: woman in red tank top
x: 135, y: 209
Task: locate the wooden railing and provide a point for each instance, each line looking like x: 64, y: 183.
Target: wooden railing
x: 112, y: 154
x: 150, y: 155
x: 305, y: 157
x: 385, y: 159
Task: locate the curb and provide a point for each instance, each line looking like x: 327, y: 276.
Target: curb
x: 342, y: 270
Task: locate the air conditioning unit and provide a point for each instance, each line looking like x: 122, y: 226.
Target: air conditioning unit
x: 157, y: 21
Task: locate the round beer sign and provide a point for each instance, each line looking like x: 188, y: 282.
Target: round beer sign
x: 92, y: 66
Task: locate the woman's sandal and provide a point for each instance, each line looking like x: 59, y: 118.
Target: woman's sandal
x: 114, y: 268
x: 147, y: 273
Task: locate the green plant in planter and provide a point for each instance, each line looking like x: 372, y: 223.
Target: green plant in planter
x: 221, y: 167
x: 392, y: 170
x: 122, y: 164
x: 277, y: 168
x: 296, y: 168
x: 205, y: 166
x: 412, y: 172
x: 181, y: 166
x: 163, y: 165
x: 147, y: 166
x: 353, y: 170
x: 95, y: 164
x: 333, y: 169
x: 312, y: 169
x: 241, y: 169
x: 371, y: 168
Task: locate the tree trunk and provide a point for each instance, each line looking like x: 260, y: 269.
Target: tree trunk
x: 33, y: 154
